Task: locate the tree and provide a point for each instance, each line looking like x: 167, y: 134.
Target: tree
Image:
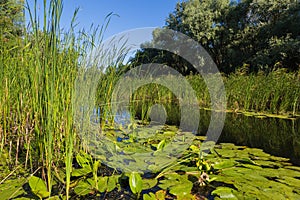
x: 261, y: 34
x: 11, y: 18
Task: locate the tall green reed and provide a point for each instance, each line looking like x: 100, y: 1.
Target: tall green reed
x: 38, y: 71
x: 276, y: 92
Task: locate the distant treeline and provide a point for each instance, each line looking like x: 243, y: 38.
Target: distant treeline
x: 261, y: 35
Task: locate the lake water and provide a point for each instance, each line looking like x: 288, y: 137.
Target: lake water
x: 280, y: 137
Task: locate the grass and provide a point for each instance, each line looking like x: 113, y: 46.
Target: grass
x: 275, y: 94
x: 38, y: 72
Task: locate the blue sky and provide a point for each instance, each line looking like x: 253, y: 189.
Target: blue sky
x: 131, y: 14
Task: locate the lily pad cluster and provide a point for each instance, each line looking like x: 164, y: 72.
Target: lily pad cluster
x: 203, y: 171
x: 245, y: 173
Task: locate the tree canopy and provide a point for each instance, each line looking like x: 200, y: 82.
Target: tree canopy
x: 252, y: 34
x: 11, y: 18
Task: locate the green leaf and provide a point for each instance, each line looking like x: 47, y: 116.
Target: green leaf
x: 83, y: 188
x: 246, y: 161
x: 182, y: 190
x: 224, y: 193
x: 135, y: 182
x: 83, y: 159
x: 112, y: 182
x: 82, y: 171
x: 149, y: 196
x: 102, y: 183
x: 195, y: 149
x: 149, y: 183
x: 12, y: 188
x: 224, y: 164
x: 161, y: 145
x: 38, y: 187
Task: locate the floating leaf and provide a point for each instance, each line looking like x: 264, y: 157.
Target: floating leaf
x: 38, y: 187
x: 224, y: 193
x: 245, y: 161
x: 182, y: 190
x: 149, y: 183
x: 224, y: 164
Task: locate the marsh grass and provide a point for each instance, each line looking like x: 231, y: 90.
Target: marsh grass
x: 37, y: 74
x: 276, y: 93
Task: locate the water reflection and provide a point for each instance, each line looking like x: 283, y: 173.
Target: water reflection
x: 280, y: 137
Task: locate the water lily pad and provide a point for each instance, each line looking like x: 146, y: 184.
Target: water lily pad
x: 224, y: 193
x: 224, y: 164
x: 149, y: 183
x: 290, y: 181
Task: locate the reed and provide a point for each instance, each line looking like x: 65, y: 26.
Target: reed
x: 38, y: 72
x: 274, y: 93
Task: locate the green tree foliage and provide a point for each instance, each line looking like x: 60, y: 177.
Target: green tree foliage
x: 255, y: 34
x: 11, y: 18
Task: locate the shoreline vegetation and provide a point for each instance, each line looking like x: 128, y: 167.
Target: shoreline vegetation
x: 275, y: 94
x: 42, y: 155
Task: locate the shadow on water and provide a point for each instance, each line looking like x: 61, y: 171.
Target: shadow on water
x: 279, y: 137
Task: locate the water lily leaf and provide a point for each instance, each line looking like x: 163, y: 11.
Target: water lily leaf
x: 135, y: 182
x: 226, y: 153
x: 38, y: 187
x: 288, y: 172
x: 224, y: 193
x: 182, y: 190
x: 255, y: 178
x: 290, y: 181
x: 195, y: 149
x: 279, y: 158
x: 251, y: 166
x: 83, y: 188
x: 149, y: 183
x: 246, y: 161
x: 257, y: 152
x: 224, y: 164
x: 267, y: 163
x: 228, y: 146
x: 293, y: 168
